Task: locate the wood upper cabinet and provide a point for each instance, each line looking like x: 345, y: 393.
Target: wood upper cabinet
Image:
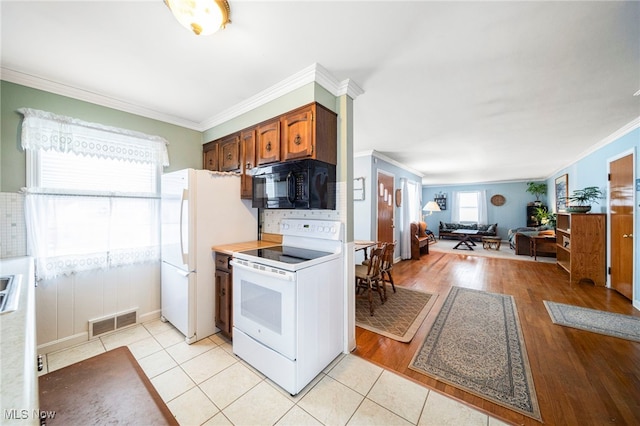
x: 210, y: 156
x: 248, y: 160
x: 310, y: 132
x: 229, y: 153
x: 268, y: 142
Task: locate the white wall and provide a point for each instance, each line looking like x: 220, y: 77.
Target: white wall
x: 64, y: 305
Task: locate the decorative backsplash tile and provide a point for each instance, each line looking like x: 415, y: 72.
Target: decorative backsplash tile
x: 271, y: 218
x: 13, y: 232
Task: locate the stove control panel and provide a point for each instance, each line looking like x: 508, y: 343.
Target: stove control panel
x: 324, y: 229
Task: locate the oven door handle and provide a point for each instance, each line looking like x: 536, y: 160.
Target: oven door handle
x: 268, y: 271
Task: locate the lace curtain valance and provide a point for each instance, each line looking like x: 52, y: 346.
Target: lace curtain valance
x: 42, y: 130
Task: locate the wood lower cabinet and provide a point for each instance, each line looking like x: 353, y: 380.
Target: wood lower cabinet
x: 224, y: 294
x: 581, y: 247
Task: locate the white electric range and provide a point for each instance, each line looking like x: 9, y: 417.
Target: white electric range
x: 288, y: 303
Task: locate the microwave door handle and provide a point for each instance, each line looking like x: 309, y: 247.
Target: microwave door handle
x: 291, y: 190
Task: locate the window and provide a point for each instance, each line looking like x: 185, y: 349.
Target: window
x: 92, y: 197
x: 468, y: 206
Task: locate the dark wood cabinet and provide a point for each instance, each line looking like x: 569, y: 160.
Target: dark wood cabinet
x: 224, y: 293
x: 210, y: 156
x: 310, y: 132
x: 532, y: 220
x: 248, y: 160
x: 229, y: 153
x: 268, y: 142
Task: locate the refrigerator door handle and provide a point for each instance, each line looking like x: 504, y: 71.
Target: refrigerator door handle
x: 183, y: 273
x: 185, y: 256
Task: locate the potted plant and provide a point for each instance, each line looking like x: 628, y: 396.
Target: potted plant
x: 545, y: 217
x: 537, y: 189
x: 581, y: 199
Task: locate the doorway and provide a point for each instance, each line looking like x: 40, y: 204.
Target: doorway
x: 386, y: 191
x: 621, y: 219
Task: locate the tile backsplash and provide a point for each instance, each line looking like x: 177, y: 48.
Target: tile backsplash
x: 13, y: 232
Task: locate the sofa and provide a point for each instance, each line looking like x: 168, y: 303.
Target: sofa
x: 446, y: 230
x: 421, y: 237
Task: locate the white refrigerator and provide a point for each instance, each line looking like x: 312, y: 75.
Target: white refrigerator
x: 199, y: 209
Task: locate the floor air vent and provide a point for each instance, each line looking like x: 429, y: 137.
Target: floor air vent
x: 100, y: 326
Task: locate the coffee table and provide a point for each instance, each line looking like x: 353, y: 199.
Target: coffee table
x: 465, y: 238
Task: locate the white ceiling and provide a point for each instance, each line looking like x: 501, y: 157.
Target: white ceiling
x: 459, y: 91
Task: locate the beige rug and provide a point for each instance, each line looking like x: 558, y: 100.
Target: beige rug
x: 476, y: 344
x: 446, y: 246
x: 399, y: 317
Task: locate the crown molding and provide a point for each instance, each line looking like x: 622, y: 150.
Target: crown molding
x: 376, y: 154
x: 313, y: 73
x: 39, y: 83
x: 627, y: 128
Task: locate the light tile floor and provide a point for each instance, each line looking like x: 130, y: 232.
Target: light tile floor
x: 206, y: 384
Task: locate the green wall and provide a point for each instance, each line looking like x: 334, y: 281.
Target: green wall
x: 185, y: 145
x: 306, y: 94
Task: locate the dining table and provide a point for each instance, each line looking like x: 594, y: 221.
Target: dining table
x: 364, y: 246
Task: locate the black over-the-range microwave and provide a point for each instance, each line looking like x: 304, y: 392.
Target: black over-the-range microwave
x: 302, y: 184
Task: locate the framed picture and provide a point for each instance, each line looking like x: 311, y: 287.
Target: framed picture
x: 562, y: 186
x: 442, y: 202
x: 358, y: 189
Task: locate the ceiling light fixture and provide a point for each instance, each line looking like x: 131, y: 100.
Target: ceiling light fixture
x: 203, y: 17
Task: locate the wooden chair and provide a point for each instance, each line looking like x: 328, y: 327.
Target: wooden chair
x: 369, y: 277
x: 387, y: 264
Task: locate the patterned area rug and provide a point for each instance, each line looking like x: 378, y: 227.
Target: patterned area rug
x: 476, y: 344
x: 608, y: 323
x: 399, y: 317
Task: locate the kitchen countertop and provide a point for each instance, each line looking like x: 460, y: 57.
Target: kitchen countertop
x: 247, y: 245
x: 18, y: 374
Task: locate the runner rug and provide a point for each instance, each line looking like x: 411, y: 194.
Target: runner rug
x: 399, y: 317
x: 110, y: 388
x: 602, y: 322
x: 476, y: 345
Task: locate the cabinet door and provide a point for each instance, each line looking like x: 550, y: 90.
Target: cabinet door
x: 230, y: 153
x: 298, y: 136
x: 223, y: 302
x: 268, y: 142
x: 248, y: 159
x: 210, y: 156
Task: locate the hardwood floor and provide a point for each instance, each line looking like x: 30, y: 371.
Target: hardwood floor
x: 581, y: 378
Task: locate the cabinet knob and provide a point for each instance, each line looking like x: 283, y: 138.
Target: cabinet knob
x: 268, y: 146
x: 297, y: 140
x: 627, y: 235
x: 229, y: 156
x: 248, y: 166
